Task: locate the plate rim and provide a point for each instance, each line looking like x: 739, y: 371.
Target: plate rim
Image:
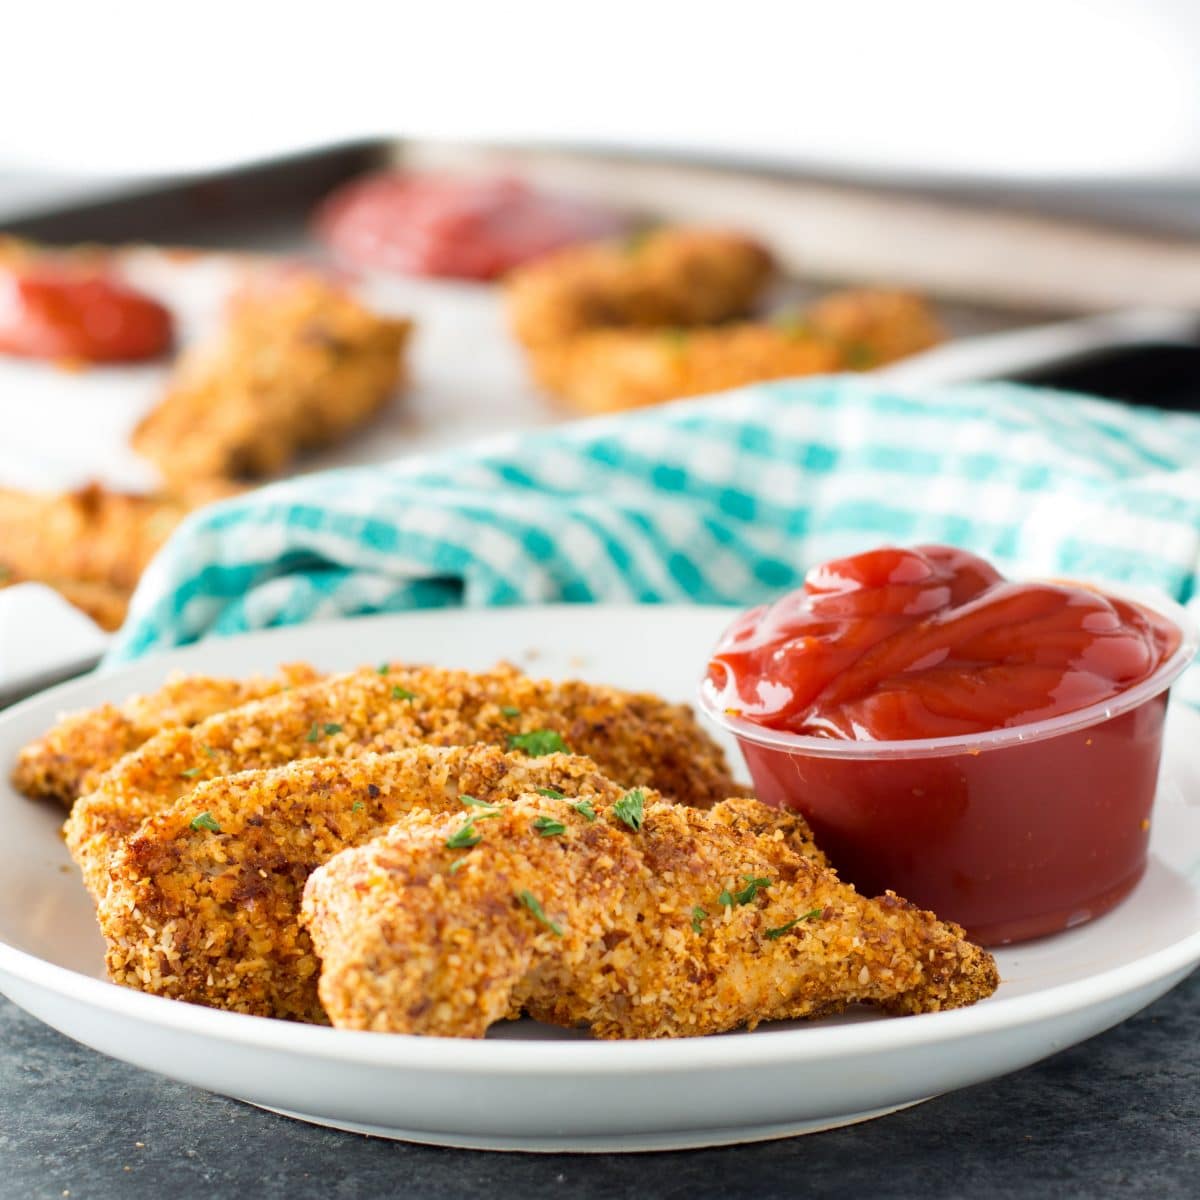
x: 792, y: 1046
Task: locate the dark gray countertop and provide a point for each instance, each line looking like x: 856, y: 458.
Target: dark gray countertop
x: 1119, y: 1115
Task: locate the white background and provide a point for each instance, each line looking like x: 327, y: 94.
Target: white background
x: 1025, y: 89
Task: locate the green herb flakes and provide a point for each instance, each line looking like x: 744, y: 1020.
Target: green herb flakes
x: 489, y: 810
x: 534, y: 905
x: 754, y: 885
x: 466, y: 837
x: 509, y: 711
x: 399, y: 693
x: 584, y: 809
x: 357, y: 806
x: 190, y: 773
x: 675, y: 340
x: 551, y: 793
x: 778, y: 932
x: 549, y: 827
x: 315, y: 732
x: 860, y: 357
x: 383, y: 668
x: 538, y: 743
x: 205, y: 821
x: 699, y: 916
x: 457, y: 865
x: 631, y: 808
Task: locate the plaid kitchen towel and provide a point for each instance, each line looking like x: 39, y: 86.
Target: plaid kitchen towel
x: 725, y: 500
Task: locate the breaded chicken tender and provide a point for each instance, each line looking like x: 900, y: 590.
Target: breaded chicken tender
x: 300, y: 364
x: 653, y: 920
x: 639, y: 739
x: 70, y: 757
x: 91, y: 544
x: 671, y: 276
x: 204, y: 900
x: 609, y: 370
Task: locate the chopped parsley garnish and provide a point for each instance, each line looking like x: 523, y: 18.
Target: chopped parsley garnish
x: 631, y: 808
x: 472, y: 802
x: 552, y: 793
x: 190, y: 773
x: 782, y: 929
x: 534, y: 905
x: 490, y: 810
x: 357, y: 806
x: 549, y: 827
x: 859, y: 356
x: 399, y: 693
x: 792, y: 324
x: 315, y: 732
x: 205, y: 821
x: 508, y: 710
x: 584, y: 809
x: 466, y: 837
x: 209, y: 751
x: 754, y: 885
x: 537, y: 743
x: 456, y: 865
x: 636, y: 240
x: 383, y: 668
x: 699, y: 916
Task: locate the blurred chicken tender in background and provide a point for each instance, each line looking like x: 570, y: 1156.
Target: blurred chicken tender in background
x: 300, y: 365
x: 617, y: 326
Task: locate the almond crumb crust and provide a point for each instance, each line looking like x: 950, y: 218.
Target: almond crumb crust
x: 633, y: 934
x: 211, y: 915
x: 299, y: 364
x: 636, y: 738
x: 70, y: 757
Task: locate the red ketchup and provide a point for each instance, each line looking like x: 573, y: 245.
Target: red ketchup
x: 1012, y: 836
x: 460, y: 228
x: 68, y: 314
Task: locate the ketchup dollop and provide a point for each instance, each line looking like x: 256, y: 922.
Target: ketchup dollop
x: 930, y: 642
x: 63, y: 313
x: 453, y: 226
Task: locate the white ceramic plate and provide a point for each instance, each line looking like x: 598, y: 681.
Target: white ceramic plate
x: 531, y: 1088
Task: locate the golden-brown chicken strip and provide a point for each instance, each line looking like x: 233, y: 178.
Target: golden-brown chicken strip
x: 91, y: 544
x: 671, y: 276
x: 68, y: 759
x: 299, y: 365
x: 652, y: 920
x: 608, y: 370
x: 204, y: 900
x: 636, y: 738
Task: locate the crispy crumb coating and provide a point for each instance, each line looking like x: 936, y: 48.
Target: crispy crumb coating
x: 650, y: 933
x: 299, y: 365
x: 609, y: 370
x: 212, y: 915
x: 671, y: 276
x: 638, y: 739
x: 69, y: 758
x: 91, y: 544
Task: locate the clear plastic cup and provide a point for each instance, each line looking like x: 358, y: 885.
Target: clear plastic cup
x: 1015, y: 833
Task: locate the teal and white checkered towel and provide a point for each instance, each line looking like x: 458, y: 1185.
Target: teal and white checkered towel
x: 725, y: 500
